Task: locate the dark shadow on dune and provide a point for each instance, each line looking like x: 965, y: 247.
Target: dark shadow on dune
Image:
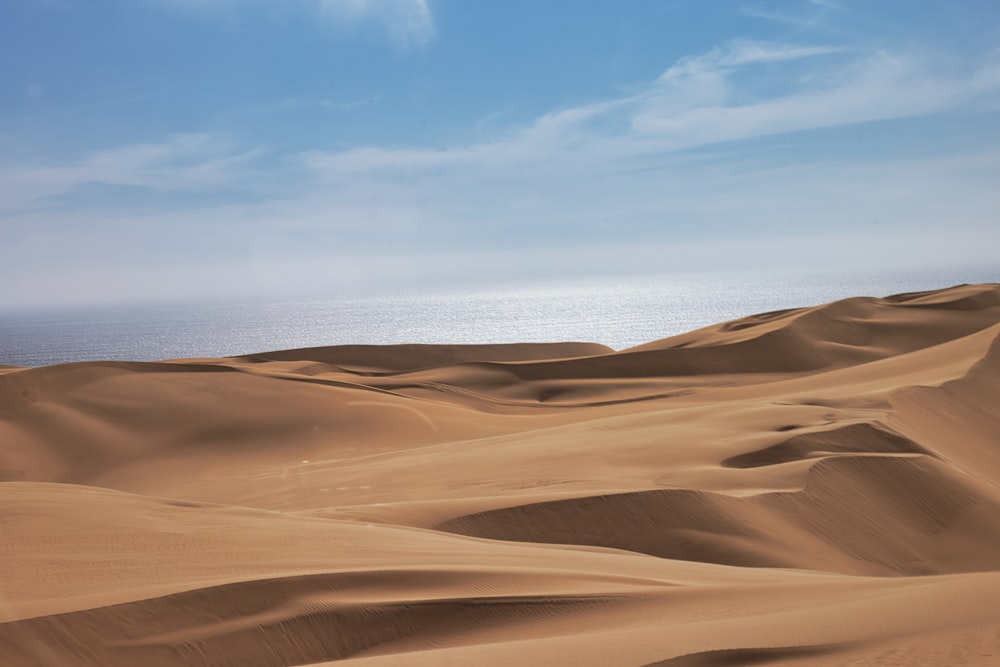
x: 279, y: 622
x: 865, y: 438
x: 872, y: 515
x: 740, y: 657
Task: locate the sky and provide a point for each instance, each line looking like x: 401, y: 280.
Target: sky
x: 250, y: 149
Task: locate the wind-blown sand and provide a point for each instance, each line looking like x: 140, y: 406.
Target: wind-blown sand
x: 817, y: 486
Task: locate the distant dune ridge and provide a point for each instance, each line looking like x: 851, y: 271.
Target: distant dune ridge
x: 818, y: 486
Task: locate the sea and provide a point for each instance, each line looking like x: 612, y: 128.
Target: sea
x: 618, y: 312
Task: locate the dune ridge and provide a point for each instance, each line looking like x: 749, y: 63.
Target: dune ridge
x: 816, y: 486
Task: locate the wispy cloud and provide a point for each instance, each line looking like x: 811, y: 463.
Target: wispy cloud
x: 407, y: 22
x: 653, y: 163
x: 740, y: 52
x: 703, y: 100
x: 876, y: 87
x: 698, y: 101
x: 661, y: 170
x: 814, y: 14
x: 186, y: 162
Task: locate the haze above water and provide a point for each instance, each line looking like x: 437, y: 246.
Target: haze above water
x: 619, y: 313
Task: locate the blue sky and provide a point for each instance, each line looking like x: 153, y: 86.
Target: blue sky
x: 173, y: 149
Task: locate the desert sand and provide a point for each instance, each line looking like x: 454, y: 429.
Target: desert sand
x: 818, y: 486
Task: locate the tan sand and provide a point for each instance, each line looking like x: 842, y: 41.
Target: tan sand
x: 811, y: 487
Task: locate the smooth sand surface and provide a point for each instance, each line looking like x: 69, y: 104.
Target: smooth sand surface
x: 818, y: 486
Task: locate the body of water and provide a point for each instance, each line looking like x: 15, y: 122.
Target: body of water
x: 617, y: 312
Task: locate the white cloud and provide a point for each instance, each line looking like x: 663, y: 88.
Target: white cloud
x: 879, y: 87
x: 551, y: 196
x: 698, y: 101
x: 809, y: 19
x: 192, y: 162
x: 624, y: 166
x: 408, y: 22
x: 701, y: 100
x: 746, y: 52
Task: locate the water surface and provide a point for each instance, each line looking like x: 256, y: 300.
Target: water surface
x: 617, y: 312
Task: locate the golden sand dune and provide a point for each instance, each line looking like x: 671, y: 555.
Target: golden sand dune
x: 818, y: 486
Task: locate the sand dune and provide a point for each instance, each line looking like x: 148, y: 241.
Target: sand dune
x: 818, y: 486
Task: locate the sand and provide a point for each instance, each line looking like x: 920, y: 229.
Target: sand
x: 818, y: 486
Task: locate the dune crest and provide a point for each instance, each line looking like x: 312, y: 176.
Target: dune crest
x: 816, y: 486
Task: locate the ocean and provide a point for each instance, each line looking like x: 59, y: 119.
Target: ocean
x: 619, y: 312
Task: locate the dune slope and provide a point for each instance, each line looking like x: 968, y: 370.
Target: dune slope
x: 819, y: 486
